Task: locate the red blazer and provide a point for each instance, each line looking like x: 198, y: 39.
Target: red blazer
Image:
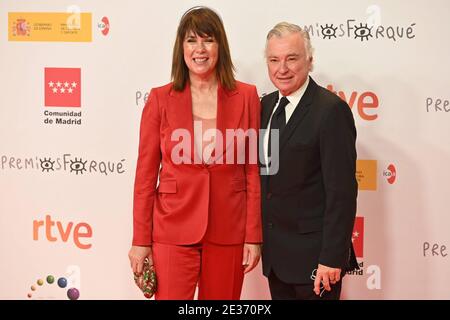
x: 223, y: 199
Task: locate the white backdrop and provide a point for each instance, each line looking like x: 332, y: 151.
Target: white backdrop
x: 81, y: 175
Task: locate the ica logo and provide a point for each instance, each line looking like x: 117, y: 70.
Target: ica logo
x: 390, y: 173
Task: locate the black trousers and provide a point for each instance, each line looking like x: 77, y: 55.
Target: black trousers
x: 280, y: 290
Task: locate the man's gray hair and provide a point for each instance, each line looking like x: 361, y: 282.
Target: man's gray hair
x: 284, y: 28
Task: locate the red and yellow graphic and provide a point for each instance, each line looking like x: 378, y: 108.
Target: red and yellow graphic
x: 50, y: 26
x: 366, y: 174
x: 62, y: 87
x: 20, y: 27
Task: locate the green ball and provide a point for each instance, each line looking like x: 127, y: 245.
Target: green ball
x: 50, y: 279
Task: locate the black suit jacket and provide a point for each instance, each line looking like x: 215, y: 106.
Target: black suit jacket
x: 309, y: 205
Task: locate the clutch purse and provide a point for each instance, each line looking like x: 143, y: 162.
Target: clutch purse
x: 146, y: 281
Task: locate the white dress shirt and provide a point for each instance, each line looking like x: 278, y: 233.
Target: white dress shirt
x: 293, y: 99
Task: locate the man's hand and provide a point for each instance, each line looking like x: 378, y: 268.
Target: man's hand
x: 326, y: 275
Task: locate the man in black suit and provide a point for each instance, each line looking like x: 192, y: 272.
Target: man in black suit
x: 309, y: 191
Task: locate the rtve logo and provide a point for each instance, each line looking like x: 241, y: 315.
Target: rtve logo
x: 364, y: 101
x: 64, y: 231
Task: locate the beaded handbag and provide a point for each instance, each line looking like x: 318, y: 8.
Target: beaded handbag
x: 146, y: 281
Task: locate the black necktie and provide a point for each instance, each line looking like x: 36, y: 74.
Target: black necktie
x: 279, y: 117
x: 278, y: 120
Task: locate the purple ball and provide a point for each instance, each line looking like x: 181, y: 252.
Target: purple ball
x: 73, y: 293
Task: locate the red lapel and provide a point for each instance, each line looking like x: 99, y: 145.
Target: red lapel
x: 229, y: 113
x: 179, y: 113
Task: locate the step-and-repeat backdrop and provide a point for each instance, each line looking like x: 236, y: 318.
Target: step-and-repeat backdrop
x: 75, y: 75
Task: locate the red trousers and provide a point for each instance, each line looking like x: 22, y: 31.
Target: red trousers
x: 216, y: 269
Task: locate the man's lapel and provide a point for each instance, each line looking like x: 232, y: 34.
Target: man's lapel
x: 268, y: 104
x: 301, y: 110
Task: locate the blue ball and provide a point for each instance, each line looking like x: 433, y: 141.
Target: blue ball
x: 62, y: 282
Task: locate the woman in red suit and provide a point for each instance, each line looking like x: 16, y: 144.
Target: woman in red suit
x: 202, y: 224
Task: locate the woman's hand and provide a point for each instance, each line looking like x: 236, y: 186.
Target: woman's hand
x: 252, y: 253
x: 137, y: 255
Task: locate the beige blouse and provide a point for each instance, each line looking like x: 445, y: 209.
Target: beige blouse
x: 205, y: 144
